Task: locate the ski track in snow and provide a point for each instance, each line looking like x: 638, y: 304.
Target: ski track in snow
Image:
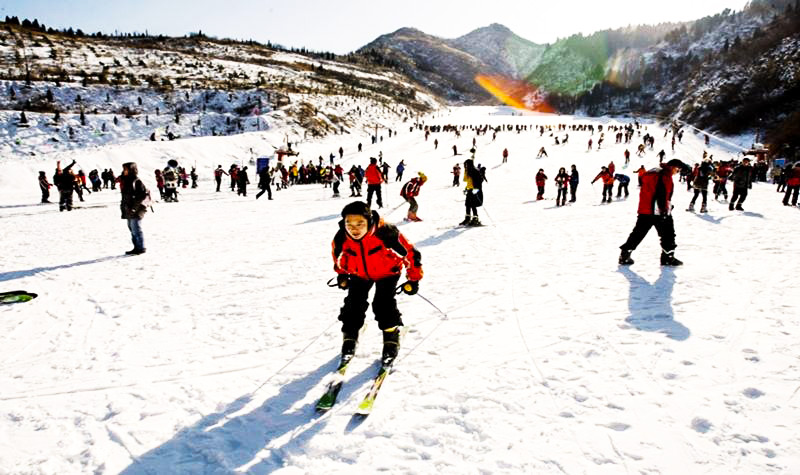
x: 207, y: 354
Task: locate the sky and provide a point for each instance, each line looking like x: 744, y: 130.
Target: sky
x: 345, y: 26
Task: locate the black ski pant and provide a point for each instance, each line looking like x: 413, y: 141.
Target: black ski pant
x: 700, y: 192
x: 219, y: 181
x: 740, y: 193
x: 65, y: 200
x: 608, y: 190
x: 573, y: 188
x: 384, y: 305
x: 374, y: 189
x: 622, y: 187
x: 791, y: 190
x: 335, y: 188
x: 561, y: 195
x: 664, y: 227
x: 265, y: 189
x: 46, y: 195
x: 540, y: 194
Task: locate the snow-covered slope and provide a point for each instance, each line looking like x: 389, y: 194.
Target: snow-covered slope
x: 207, y: 353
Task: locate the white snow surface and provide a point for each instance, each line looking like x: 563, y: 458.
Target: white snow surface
x: 208, y: 353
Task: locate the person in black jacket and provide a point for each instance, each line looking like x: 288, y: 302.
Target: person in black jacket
x: 264, y: 180
x: 65, y: 183
x: 243, y: 182
x: 574, y: 179
x: 742, y: 178
x: 700, y: 185
x: 133, y: 205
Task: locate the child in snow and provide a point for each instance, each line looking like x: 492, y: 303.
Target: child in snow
x: 367, y: 251
x: 409, y: 193
x: 541, y: 178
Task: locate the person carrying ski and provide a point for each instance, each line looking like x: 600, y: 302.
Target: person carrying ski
x: 541, y: 179
x: 562, y: 181
x: 608, y: 184
x: 45, y: 185
x: 65, y: 183
x: 374, y: 179
x: 655, y: 209
x: 409, y: 193
x: 135, y: 199
x: 623, y: 181
x: 367, y: 252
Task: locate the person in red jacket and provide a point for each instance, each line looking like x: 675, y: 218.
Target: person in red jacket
x: 541, y: 178
x: 792, y: 185
x: 374, y: 179
x: 640, y: 172
x: 409, y: 192
x: 608, y: 183
x: 367, y: 252
x: 655, y: 209
x: 505, y: 155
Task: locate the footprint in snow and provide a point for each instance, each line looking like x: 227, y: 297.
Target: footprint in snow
x: 617, y: 426
x: 752, y: 393
x: 701, y: 425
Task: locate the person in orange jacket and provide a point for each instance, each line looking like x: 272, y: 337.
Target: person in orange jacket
x: 640, y: 172
x: 608, y: 184
x: 374, y: 179
x: 367, y: 252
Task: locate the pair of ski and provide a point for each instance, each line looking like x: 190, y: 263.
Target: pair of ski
x: 334, y: 386
x: 328, y: 399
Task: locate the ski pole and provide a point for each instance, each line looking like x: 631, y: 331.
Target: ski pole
x: 432, y: 305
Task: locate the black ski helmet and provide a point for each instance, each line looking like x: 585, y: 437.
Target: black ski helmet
x: 358, y: 208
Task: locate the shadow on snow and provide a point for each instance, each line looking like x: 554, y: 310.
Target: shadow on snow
x: 650, y: 305
x: 223, y: 442
x: 18, y: 274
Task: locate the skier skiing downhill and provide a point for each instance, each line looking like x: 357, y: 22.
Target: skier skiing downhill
x: 409, y: 192
x: 367, y: 252
x: 655, y: 209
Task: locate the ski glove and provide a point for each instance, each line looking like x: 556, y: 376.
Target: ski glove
x: 411, y: 287
x: 343, y: 281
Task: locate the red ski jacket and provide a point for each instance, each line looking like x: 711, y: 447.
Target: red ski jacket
x: 793, y: 178
x: 381, y: 253
x: 373, y: 175
x: 411, y: 189
x: 656, y: 192
x: 608, y: 178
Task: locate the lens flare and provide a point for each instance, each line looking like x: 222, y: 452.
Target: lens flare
x: 515, y: 93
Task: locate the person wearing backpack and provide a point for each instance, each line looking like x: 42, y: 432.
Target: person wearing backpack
x: 409, y: 193
x: 134, y: 203
x: 171, y: 182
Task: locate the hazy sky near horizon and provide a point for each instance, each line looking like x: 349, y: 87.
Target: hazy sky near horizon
x: 344, y: 26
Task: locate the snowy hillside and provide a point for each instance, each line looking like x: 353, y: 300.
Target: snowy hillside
x: 129, y: 88
x: 207, y: 353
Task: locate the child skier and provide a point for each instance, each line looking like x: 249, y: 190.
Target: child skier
x: 541, y: 178
x: 409, y: 192
x: 367, y: 251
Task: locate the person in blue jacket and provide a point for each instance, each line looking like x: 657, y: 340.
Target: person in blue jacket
x: 623, y: 181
